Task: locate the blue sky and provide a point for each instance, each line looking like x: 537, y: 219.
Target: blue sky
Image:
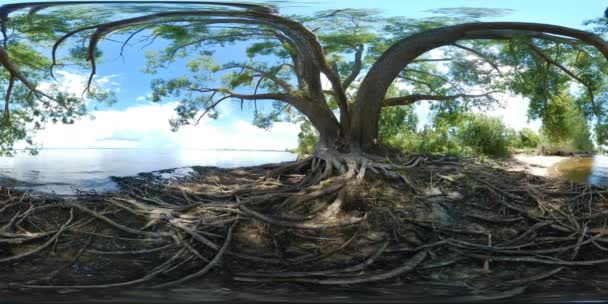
x: 134, y: 122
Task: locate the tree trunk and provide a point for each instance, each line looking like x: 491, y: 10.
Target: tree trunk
x: 325, y: 122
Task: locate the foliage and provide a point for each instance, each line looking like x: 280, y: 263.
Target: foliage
x: 471, y: 134
x: 428, y: 141
x: 28, y: 110
x: 558, y: 74
x: 527, y: 138
x: 395, y: 120
x: 573, y: 133
x: 307, y: 139
x: 486, y: 135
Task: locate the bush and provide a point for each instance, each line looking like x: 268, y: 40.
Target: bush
x: 527, y: 138
x: 486, y: 135
x: 428, y: 141
x: 475, y: 134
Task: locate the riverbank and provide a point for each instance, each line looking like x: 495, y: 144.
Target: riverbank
x: 539, y: 165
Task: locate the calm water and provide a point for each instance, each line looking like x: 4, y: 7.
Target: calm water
x: 63, y: 171
x: 592, y: 170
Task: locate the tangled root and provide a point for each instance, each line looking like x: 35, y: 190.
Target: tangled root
x: 330, y: 219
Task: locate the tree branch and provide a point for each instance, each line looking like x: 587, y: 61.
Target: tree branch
x: 231, y: 94
x: 14, y: 72
x: 7, y: 99
x: 451, y: 83
x: 480, y: 55
x: 432, y: 60
x: 282, y: 83
x: 424, y: 83
x: 410, y: 99
x: 304, y: 41
x: 370, y: 98
x: 550, y: 60
x: 357, y: 65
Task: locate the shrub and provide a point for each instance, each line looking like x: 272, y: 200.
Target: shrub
x: 527, y: 138
x: 486, y: 135
x: 428, y: 141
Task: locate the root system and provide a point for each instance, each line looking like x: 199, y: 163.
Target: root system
x: 322, y: 221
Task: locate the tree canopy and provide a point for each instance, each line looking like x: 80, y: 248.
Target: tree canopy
x: 352, y: 74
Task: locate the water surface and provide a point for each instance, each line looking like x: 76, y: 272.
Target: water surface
x: 591, y: 170
x: 64, y: 170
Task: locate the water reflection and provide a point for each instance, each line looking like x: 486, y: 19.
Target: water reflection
x: 592, y: 170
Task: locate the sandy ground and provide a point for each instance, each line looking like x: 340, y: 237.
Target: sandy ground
x: 534, y: 164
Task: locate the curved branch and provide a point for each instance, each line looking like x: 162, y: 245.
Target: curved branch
x: 122, y: 47
x: 60, y: 41
x: 309, y: 63
x: 305, y: 42
x: 270, y: 96
x: 432, y: 60
x: 370, y: 99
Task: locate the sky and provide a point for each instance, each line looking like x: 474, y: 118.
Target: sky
x: 135, y: 122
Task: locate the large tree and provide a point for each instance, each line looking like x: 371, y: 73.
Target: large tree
x: 339, y: 70
x: 360, y: 56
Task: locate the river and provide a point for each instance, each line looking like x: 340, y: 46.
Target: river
x: 63, y: 171
x: 591, y: 170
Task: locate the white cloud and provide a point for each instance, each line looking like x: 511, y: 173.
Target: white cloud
x: 146, y: 126
x: 144, y: 97
x: 74, y: 83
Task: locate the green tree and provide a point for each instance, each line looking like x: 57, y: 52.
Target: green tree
x: 29, y: 105
x: 565, y: 128
x: 308, y: 138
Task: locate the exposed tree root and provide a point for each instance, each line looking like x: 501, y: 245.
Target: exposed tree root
x: 330, y: 219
